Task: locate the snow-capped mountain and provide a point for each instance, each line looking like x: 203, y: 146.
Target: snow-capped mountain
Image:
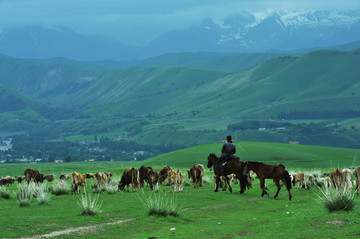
x: 243, y: 32
x: 278, y: 30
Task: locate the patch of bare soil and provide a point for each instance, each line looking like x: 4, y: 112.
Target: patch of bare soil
x: 85, y: 229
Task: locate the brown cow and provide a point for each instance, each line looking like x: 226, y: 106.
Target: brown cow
x: 164, y: 174
x: 49, y: 177
x: 299, y: 178
x: 77, y: 180
x: 357, y: 179
x: 143, y: 175
x: 19, y: 179
x: 337, y: 178
x: 7, y: 180
x: 90, y: 175
x: 33, y: 175
x: 152, y: 178
x: 101, y: 178
x: 176, y: 179
x: 195, y: 175
x: 130, y: 176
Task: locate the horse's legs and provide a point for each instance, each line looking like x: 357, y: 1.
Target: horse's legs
x: 217, y: 179
x: 262, y: 185
x: 276, y: 181
x: 228, y: 183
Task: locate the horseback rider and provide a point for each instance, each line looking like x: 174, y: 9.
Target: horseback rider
x: 227, y: 153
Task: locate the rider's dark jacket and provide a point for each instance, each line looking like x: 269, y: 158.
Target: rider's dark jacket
x: 228, y: 150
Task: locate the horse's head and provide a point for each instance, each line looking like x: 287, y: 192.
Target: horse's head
x: 211, y: 160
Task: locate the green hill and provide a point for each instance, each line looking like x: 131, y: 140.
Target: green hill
x: 291, y: 155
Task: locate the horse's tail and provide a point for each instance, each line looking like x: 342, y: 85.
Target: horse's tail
x: 287, y: 179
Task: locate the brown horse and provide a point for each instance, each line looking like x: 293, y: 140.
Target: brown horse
x: 275, y: 172
x: 234, y: 166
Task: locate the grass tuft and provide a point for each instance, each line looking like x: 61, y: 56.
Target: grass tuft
x: 4, y: 193
x: 337, y: 200
x: 89, y: 206
x: 161, y: 204
x: 24, y: 195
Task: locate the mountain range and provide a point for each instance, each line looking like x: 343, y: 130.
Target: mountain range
x: 241, y: 33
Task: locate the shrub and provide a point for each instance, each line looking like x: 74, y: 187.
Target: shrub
x: 110, y: 188
x: 60, y: 188
x: 162, y: 204
x: 336, y: 200
x: 4, y: 193
x: 89, y: 206
x: 23, y: 195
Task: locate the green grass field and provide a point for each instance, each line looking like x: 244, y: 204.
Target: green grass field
x: 203, y: 213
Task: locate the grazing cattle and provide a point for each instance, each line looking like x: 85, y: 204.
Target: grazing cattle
x: 195, y: 175
x: 357, y: 179
x: 77, y: 180
x: 164, y: 174
x: 347, y: 178
x: 101, y: 178
x: 7, y: 180
x: 143, y: 175
x: 64, y: 176
x: 49, y: 177
x: 33, y: 175
x: 300, y: 179
x: 129, y: 177
x: 337, y: 178
x: 90, y: 175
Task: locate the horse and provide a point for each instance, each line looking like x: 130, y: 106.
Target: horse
x: 275, y: 172
x: 234, y: 166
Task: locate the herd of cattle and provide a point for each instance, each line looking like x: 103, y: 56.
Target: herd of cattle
x: 135, y: 178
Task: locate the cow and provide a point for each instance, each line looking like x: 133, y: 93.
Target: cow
x: 153, y: 178
x: 312, y: 180
x: 143, y: 175
x: 177, y: 180
x: 77, y: 180
x: 129, y: 177
x: 101, y: 178
x: 299, y: 178
x: 90, y: 175
x: 49, y: 177
x: 337, y: 178
x: 195, y: 175
x: 33, y: 175
x: 164, y: 174
x: 223, y: 183
x: 348, y: 176
x: 19, y: 179
x: 357, y: 179
x: 64, y: 176
x: 7, y: 180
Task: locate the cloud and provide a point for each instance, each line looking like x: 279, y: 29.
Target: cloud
x: 140, y: 21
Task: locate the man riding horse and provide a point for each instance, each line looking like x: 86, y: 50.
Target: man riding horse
x: 227, y: 153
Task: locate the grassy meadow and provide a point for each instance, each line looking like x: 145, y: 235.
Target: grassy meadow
x: 202, y: 212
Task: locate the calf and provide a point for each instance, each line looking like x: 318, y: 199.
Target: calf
x: 129, y: 177
x: 299, y: 178
x: 77, y: 180
x: 33, y: 175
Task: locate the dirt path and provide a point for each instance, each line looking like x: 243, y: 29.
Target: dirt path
x: 85, y: 229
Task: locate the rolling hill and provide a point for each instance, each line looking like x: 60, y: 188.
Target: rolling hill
x: 189, y: 105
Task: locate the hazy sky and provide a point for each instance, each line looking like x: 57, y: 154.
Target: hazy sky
x: 141, y: 20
